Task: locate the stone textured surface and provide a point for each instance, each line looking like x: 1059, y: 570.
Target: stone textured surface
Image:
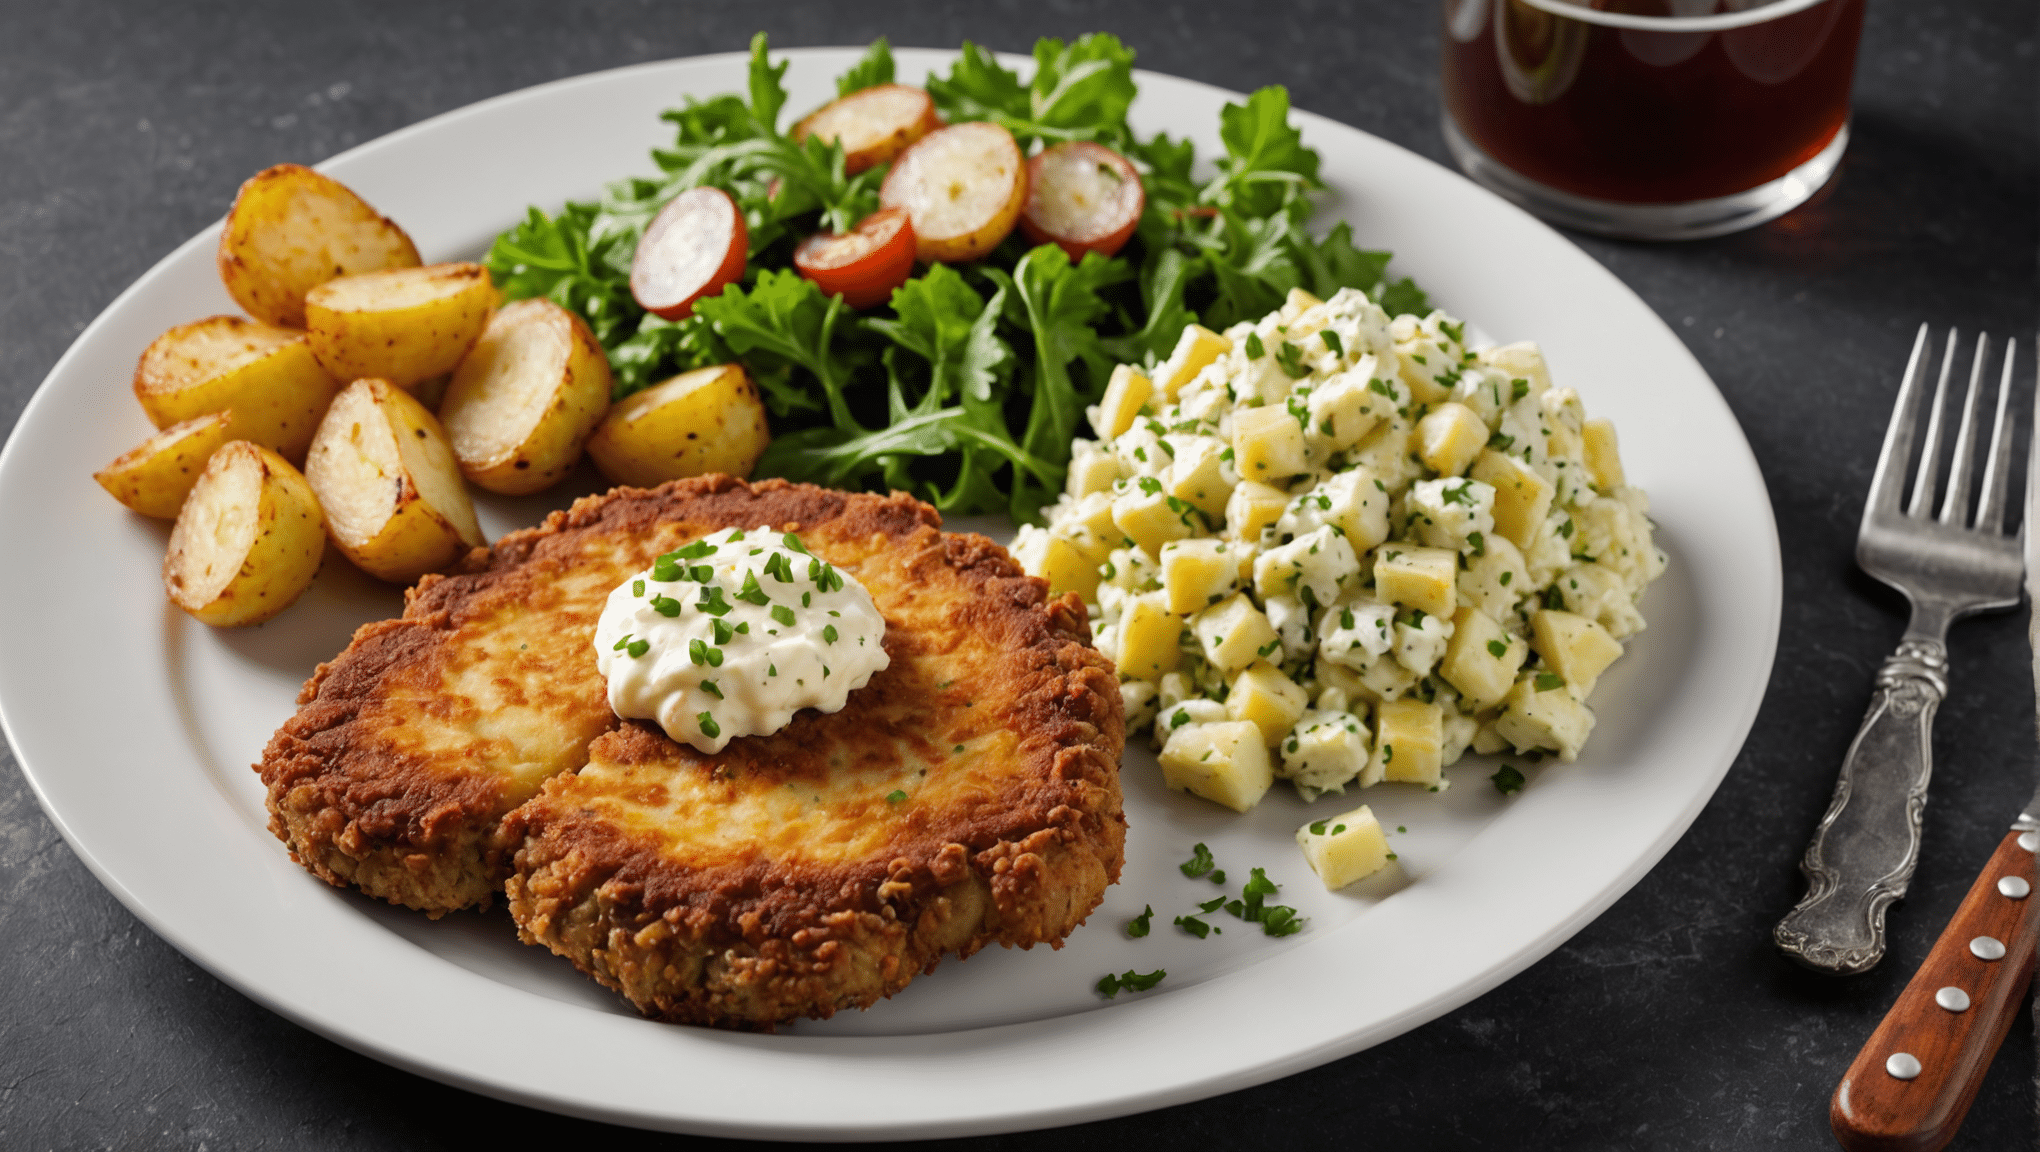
x: 1667, y: 1023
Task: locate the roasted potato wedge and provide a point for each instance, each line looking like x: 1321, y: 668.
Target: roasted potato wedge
x: 525, y: 398
x: 154, y: 477
x: 405, y: 325
x: 386, y: 476
x: 707, y: 420
x: 266, y: 376
x: 248, y: 540
x: 873, y: 125
x: 291, y: 230
x: 963, y: 186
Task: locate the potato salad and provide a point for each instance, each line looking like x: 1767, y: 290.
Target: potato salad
x: 1340, y: 548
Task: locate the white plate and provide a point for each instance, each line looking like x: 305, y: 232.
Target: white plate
x: 136, y: 725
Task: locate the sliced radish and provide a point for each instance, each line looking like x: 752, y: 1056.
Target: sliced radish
x: 694, y: 246
x: 1084, y: 197
x: 863, y: 265
x: 963, y: 186
x: 873, y: 125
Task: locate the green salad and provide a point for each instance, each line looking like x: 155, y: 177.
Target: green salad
x: 967, y: 388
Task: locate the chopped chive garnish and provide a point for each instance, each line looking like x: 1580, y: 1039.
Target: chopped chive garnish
x: 1546, y: 681
x: 896, y: 795
x: 1333, y: 342
x: 709, y: 686
x: 622, y: 644
x: 783, y: 614
x: 712, y: 601
x: 1199, y: 863
x: 793, y: 544
x: 1507, y: 779
x: 709, y: 727
x: 638, y: 648
x: 751, y: 593
x: 665, y: 605
x: 697, y: 652
x: 720, y: 630
x: 829, y: 633
x: 637, y: 587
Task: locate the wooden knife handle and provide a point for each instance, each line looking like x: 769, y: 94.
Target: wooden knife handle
x: 1875, y: 1107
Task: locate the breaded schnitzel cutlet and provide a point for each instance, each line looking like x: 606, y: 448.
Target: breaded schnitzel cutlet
x: 968, y: 794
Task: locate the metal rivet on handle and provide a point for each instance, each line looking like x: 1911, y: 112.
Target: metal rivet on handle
x: 1987, y: 948
x: 1903, y: 1065
x: 1953, y: 999
x: 2030, y: 841
x: 2015, y: 887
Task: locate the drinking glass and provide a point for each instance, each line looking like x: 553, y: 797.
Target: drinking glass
x: 1650, y: 119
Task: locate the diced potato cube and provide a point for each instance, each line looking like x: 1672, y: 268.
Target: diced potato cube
x: 1523, y: 360
x: 1149, y: 637
x: 1197, y: 475
x: 1068, y: 569
x: 1252, y: 507
x: 1385, y: 678
x: 1263, y: 695
x: 1234, y: 634
x: 1487, y: 741
x: 1297, y: 302
x: 1344, y: 408
x: 1482, y: 659
x: 1144, y: 512
x: 1419, y: 647
x: 1225, y: 763
x: 1496, y: 578
x: 1408, y: 736
x: 1194, y: 710
x: 1327, y: 749
x: 1267, y: 444
x: 1344, y: 848
x: 1416, y: 577
x: 1195, y: 349
x: 1449, y: 437
x: 1132, y: 569
x: 1125, y: 395
x: 1542, y: 712
x: 1386, y: 451
x: 1421, y: 363
x: 1522, y: 497
x: 1355, y: 501
x: 1086, y: 522
x: 1319, y: 560
x: 1574, y: 647
x: 1604, y: 459
x: 1093, y: 468
x: 1197, y: 574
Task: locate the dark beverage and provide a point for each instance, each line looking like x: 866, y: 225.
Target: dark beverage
x: 1640, y: 116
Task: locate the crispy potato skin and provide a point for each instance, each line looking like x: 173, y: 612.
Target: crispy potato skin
x: 780, y: 878
x: 266, y: 376
x: 155, y: 476
x: 708, y: 420
x: 404, y: 325
x: 274, y: 564
x: 291, y: 229
x: 516, y: 435
x: 396, y: 774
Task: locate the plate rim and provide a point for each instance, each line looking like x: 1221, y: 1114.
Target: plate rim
x: 1177, y: 1090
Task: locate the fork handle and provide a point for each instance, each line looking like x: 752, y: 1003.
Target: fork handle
x: 1866, y: 847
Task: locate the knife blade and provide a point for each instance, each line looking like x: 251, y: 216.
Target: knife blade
x: 1915, y: 1078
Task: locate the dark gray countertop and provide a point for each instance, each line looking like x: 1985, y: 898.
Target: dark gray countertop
x: 1667, y: 1023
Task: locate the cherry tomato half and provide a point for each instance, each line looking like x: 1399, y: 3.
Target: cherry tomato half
x: 863, y: 265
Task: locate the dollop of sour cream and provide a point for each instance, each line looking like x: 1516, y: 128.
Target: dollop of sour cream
x: 733, y: 634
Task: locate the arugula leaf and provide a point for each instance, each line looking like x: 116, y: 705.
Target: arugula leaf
x: 1164, y: 278
x: 874, y: 69
x: 977, y: 88
x: 1061, y: 303
x: 786, y: 317
x: 1265, y: 158
x: 1252, y: 261
x: 1403, y: 297
x: 1166, y: 179
x: 768, y: 96
x: 1333, y: 263
x: 1081, y: 90
x: 663, y: 348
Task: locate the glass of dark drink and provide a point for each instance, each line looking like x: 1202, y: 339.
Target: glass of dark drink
x: 1650, y: 119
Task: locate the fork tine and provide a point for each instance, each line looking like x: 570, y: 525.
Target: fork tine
x: 1930, y: 454
x: 1889, y: 477
x: 1990, y: 513
x: 1955, y: 504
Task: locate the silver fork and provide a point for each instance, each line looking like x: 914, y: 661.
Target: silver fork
x: 1864, y: 851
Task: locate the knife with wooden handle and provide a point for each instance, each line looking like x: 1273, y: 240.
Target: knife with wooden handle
x: 1916, y: 1077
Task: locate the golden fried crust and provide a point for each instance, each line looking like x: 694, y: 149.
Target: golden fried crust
x: 968, y: 794
x: 409, y: 747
